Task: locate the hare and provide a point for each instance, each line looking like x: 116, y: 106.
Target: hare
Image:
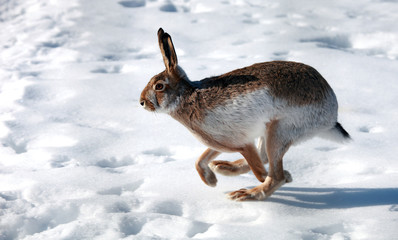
x: 280, y: 103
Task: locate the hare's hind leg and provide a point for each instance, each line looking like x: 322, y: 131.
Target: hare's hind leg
x: 205, y: 173
x: 276, y: 146
x: 239, y: 166
x: 262, y: 149
x: 228, y: 168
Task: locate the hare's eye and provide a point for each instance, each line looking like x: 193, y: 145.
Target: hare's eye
x: 160, y: 86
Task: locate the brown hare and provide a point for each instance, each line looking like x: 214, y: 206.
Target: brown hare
x: 280, y: 103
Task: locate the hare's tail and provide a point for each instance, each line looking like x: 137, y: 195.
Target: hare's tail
x: 342, y: 131
x: 337, y: 134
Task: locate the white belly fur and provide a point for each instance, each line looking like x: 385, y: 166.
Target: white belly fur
x: 242, y: 119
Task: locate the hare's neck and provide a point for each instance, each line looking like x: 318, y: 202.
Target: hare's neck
x: 188, y: 108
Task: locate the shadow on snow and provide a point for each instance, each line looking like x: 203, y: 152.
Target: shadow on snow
x: 329, y: 198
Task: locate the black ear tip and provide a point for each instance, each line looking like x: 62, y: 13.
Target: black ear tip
x: 162, y: 34
x: 166, y: 36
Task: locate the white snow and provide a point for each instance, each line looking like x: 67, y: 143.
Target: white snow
x: 80, y: 158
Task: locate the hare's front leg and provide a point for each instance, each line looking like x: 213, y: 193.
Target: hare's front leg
x: 239, y: 166
x: 205, y: 173
x: 277, y: 146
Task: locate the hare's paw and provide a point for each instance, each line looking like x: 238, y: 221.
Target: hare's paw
x: 227, y: 168
x: 288, y: 176
x: 209, y: 178
x: 263, y: 191
x: 256, y: 193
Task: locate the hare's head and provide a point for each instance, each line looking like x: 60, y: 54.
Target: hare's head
x: 162, y: 91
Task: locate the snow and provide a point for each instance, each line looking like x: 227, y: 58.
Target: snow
x: 80, y: 158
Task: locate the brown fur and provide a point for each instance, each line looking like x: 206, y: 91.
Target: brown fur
x: 294, y: 84
x: 204, y: 171
x: 275, y: 150
x: 228, y: 168
x: 297, y: 83
x: 253, y: 159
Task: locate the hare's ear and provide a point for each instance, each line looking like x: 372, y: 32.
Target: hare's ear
x: 167, y: 49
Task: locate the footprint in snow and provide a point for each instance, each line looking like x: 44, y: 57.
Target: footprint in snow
x: 35, y: 93
x: 169, y: 207
x: 340, y: 42
x: 250, y: 19
x: 239, y: 42
x: 393, y: 208
x: 172, y: 210
x: 280, y: 55
x: 334, y: 231
x: 19, y: 146
x: 162, y: 155
x: 119, y: 190
x: 369, y: 129
x: 132, y: 3
x: 326, y: 149
x: 119, y: 207
x: 52, y: 44
x: 198, y: 227
x: 9, y: 196
x: 115, y: 163
x: 110, y: 58
x: 60, y: 161
x: 168, y: 7
x: 158, y: 152
x: 131, y: 225
x: 108, y: 69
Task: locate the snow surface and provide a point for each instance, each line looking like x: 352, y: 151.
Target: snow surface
x: 80, y: 158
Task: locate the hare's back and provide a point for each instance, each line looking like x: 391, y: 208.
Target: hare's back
x: 297, y: 83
